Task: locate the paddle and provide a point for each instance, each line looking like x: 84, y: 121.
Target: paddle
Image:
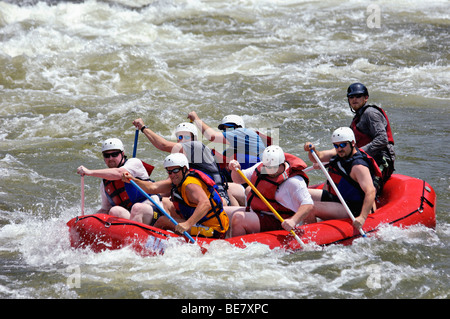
x: 268, y: 205
x: 82, y: 195
x: 335, y: 189
x: 161, y: 209
x: 136, y: 136
x: 310, y: 168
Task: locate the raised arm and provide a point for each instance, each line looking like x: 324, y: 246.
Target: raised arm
x: 158, y: 141
x: 208, y: 132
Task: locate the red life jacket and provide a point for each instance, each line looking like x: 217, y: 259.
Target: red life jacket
x: 119, y: 193
x: 267, y: 186
x: 364, y: 139
x: 339, y: 170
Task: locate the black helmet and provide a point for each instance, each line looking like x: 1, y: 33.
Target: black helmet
x: 357, y: 88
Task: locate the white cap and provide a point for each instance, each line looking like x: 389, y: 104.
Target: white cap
x: 112, y: 144
x: 176, y: 159
x: 273, y: 155
x: 343, y: 134
x: 232, y: 119
x: 187, y: 127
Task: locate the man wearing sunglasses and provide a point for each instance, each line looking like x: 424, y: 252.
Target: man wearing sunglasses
x: 354, y: 173
x: 118, y: 199
x: 197, y: 206
x: 372, y: 129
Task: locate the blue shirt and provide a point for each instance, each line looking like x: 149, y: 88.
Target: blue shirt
x: 246, y: 144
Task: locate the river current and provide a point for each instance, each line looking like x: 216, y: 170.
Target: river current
x: 73, y: 73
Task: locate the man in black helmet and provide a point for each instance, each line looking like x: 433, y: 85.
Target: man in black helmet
x: 372, y: 129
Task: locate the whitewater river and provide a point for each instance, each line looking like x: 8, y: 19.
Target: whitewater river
x: 75, y: 73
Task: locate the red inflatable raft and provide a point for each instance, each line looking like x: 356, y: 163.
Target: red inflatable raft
x: 405, y: 201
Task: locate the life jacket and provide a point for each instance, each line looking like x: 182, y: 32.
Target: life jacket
x: 215, y: 200
x: 364, y: 139
x: 124, y: 194
x: 339, y: 170
x: 267, y: 186
x: 200, y: 157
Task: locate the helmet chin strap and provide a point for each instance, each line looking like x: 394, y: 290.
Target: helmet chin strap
x: 185, y: 171
x: 123, y: 160
x: 351, y: 109
x: 351, y: 150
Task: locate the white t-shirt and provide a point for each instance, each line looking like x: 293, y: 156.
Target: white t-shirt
x: 135, y: 167
x: 292, y: 193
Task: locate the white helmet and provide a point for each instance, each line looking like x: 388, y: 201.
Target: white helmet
x: 273, y: 155
x: 232, y: 119
x: 112, y: 144
x: 343, y: 134
x: 176, y: 159
x: 187, y: 127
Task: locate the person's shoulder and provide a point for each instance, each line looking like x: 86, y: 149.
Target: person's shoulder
x: 134, y: 164
x: 372, y: 110
x: 133, y: 161
x: 191, y: 180
x: 247, y: 131
x: 296, y: 180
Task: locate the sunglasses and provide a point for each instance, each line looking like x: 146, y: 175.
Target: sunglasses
x: 114, y: 154
x: 186, y: 137
x: 228, y: 127
x: 341, y: 145
x: 175, y: 170
x: 357, y: 96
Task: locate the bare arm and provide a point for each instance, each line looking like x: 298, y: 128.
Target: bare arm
x: 234, y: 174
x: 361, y: 174
x: 160, y: 187
x: 196, y: 196
x: 211, y: 134
x: 324, y: 156
x: 301, y: 214
x: 158, y: 141
x: 110, y: 174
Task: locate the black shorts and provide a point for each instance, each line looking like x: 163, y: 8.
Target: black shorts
x: 355, y: 207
